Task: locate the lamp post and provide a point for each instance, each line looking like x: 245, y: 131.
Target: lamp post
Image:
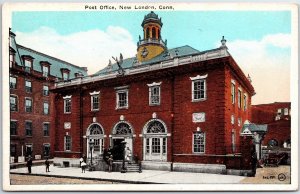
x: 91, y: 143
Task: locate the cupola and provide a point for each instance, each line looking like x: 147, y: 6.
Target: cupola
x: 151, y: 45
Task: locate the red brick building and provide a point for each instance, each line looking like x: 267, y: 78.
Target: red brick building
x: 32, y: 112
x: 278, y: 117
x: 177, y: 109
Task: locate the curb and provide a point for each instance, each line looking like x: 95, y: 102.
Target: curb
x: 86, y: 178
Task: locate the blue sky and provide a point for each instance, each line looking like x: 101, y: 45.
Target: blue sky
x: 197, y: 29
x: 260, y: 41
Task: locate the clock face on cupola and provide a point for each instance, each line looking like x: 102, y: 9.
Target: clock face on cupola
x: 151, y: 45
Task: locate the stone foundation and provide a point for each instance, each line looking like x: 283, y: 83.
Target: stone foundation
x: 200, y: 168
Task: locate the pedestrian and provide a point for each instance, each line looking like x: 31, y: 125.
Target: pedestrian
x: 47, y: 163
x: 29, y: 164
x: 80, y: 161
x: 128, y: 155
x: 83, y: 165
x: 110, y: 163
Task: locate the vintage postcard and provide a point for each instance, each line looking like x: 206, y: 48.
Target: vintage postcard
x: 150, y: 96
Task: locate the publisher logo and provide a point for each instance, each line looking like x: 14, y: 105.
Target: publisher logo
x: 281, y: 177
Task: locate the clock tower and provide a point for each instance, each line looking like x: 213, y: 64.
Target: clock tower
x: 151, y: 45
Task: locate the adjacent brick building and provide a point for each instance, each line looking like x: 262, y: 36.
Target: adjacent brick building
x: 32, y: 112
x: 176, y: 108
x: 277, y: 116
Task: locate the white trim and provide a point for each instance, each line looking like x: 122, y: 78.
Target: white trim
x: 233, y: 81
x: 150, y: 95
x: 94, y: 93
x: 122, y: 87
x: 67, y: 97
x: 204, y: 143
x: 154, y: 84
x: 113, y: 131
x: 199, y: 77
x: 117, y: 99
x: 205, y: 90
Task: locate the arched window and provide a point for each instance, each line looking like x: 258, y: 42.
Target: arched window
x: 123, y: 129
x: 147, y: 33
x: 95, y: 130
x: 154, y: 33
x: 95, y: 134
x: 156, y: 127
x: 158, y: 33
x: 273, y: 142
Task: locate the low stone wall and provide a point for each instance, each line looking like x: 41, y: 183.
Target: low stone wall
x: 200, y: 168
x: 66, y: 162
x: 153, y: 165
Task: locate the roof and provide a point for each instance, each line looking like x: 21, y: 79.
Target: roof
x: 251, y: 127
x: 38, y: 57
x: 151, y: 17
x: 166, y: 55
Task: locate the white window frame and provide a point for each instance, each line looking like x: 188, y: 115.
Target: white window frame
x: 45, y: 91
x: 30, y: 145
x: 14, y: 84
x: 65, y: 143
x: 29, y: 85
x: 93, y: 95
x: 245, y: 101
x: 45, y: 70
x: 203, y: 143
x: 151, y: 88
x: 11, y: 59
x: 232, y: 119
x: 286, y: 111
x: 48, y: 108
x: 16, y: 122
x: 232, y: 86
x: 27, y: 98
x: 199, y: 78
x: 28, y: 65
x: 46, y: 145
x: 119, y: 90
x: 67, y: 98
x: 16, y: 102
x: 239, y: 98
x: 65, y: 76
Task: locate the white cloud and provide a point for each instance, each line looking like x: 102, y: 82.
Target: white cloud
x: 91, y: 48
x: 268, y: 63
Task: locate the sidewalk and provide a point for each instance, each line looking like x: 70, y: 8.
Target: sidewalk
x: 147, y: 176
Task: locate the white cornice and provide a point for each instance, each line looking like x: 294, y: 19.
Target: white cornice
x: 154, y: 84
x: 67, y: 97
x: 198, y: 77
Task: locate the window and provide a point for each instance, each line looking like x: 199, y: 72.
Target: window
x: 232, y: 119
x: 286, y: 111
x: 28, y: 105
x: 245, y: 102
x: 13, y: 127
x: 28, y: 150
x: 45, y: 71
x: 28, y: 87
x: 11, y: 59
x: 95, y: 100
x: 199, y: 142
x: 46, y: 90
x: 233, y: 141
x: 67, y: 104
x: 198, y: 88
x: 239, y: 98
x: 27, y: 65
x: 46, y: 149
x: 65, y: 76
x: 232, y: 93
x: 46, y: 129
x: 154, y: 96
x: 12, y: 82
x: 28, y: 128
x: 122, y: 99
x: 13, y: 103
x: 46, y: 108
x: 68, y: 143
x: 155, y: 145
x: 164, y: 145
x: 147, y: 145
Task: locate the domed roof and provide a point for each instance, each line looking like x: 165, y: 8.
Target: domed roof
x: 152, y: 17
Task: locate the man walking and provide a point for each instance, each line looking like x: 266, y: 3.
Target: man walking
x: 29, y: 164
x: 47, y: 163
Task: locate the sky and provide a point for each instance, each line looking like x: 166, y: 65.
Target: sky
x: 259, y: 41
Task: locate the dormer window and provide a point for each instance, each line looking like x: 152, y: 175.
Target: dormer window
x: 65, y: 73
x: 45, y: 71
x: 28, y: 65
x: 11, y: 59
x: 28, y: 61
